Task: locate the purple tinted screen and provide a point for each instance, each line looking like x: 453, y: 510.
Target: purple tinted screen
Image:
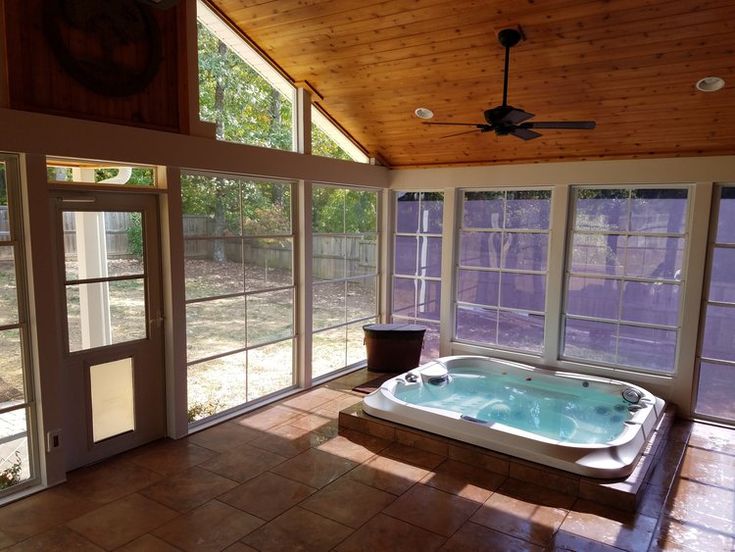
x: 480, y: 287
x: 483, y: 210
x: 481, y: 249
x: 593, y: 297
x: 528, y: 209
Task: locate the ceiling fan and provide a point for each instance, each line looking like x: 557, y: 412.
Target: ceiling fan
x: 506, y: 119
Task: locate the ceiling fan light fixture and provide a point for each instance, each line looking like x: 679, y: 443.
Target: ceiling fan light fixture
x: 424, y: 113
x: 709, y: 84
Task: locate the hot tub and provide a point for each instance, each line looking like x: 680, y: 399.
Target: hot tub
x: 586, y: 425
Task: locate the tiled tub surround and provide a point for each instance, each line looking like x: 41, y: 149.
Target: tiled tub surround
x: 591, y: 426
x: 282, y: 479
x: 622, y: 493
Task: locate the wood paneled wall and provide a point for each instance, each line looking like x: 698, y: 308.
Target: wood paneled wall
x: 37, y: 81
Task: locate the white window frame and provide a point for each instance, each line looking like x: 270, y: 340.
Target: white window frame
x: 459, y: 223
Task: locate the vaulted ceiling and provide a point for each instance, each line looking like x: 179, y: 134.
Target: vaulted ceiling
x: 631, y: 65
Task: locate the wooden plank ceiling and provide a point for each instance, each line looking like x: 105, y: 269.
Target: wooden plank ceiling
x: 631, y: 65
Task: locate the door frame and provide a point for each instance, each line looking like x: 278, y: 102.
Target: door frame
x: 79, y: 445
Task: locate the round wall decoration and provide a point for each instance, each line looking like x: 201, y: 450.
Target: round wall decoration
x: 112, y: 48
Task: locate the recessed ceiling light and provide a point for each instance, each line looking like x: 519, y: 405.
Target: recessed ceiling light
x: 424, y: 113
x: 709, y: 84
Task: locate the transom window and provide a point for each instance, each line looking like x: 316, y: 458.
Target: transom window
x: 501, y: 276
x: 624, y: 275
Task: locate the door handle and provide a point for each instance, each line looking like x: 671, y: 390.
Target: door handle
x: 155, y: 322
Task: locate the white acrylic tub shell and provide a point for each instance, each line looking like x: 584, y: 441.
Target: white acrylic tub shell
x: 614, y: 459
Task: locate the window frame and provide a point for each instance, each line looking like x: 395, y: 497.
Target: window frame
x: 686, y: 235
x: 244, y: 294
x: 475, y: 346
x: 376, y: 275
x: 17, y: 240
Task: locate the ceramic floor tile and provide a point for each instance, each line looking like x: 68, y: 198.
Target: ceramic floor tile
x: 568, y: 542
x: 353, y: 445
x: 267, y: 495
x: 239, y: 547
x: 6, y: 540
x: 120, y: 522
x: 270, y: 417
x: 388, y: 475
x: 289, y: 440
x: 710, y: 437
x: 536, y: 494
x: 298, y: 529
x: 432, y: 509
x: 709, y: 467
x: 335, y: 406
x: 189, y: 489
x: 108, y: 481
x: 709, y: 507
x: 224, y: 436
x: 314, y: 421
x: 243, y: 462
x: 169, y: 457
x: 315, y: 468
x: 384, y: 533
x: 40, y: 512
x: 673, y: 535
x: 653, y: 500
x: 208, y: 528
x: 59, y: 539
x: 312, y: 399
x: 348, y: 501
x: 526, y: 519
x: 148, y: 543
x: 481, y: 539
x: 626, y: 530
x: 464, y: 480
x: 413, y: 456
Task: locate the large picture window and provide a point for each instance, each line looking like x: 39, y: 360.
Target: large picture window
x: 717, y: 350
x: 417, y: 264
x: 238, y: 241
x: 247, y: 99
x: 501, y: 276
x: 17, y: 451
x: 624, y: 276
x: 344, y: 271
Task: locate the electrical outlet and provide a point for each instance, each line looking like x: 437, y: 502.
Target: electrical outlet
x: 53, y: 440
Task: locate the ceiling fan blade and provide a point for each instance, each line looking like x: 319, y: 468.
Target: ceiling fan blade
x: 478, y: 125
x: 516, y: 116
x: 524, y: 133
x: 572, y: 125
x: 461, y: 133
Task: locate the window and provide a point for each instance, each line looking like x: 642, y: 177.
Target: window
x: 75, y: 171
x: 344, y: 272
x: 501, y: 277
x: 17, y: 415
x: 249, y: 101
x: 624, y: 276
x: 417, y: 264
x: 238, y: 241
x: 717, y: 354
x: 329, y: 141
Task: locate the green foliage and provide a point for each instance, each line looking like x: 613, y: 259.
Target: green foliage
x: 341, y: 210
x: 135, y: 235
x: 11, y: 475
x: 243, y: 105
x: 323, y: 145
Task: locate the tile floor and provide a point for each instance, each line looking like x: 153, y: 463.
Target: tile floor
x: 282, y: 479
